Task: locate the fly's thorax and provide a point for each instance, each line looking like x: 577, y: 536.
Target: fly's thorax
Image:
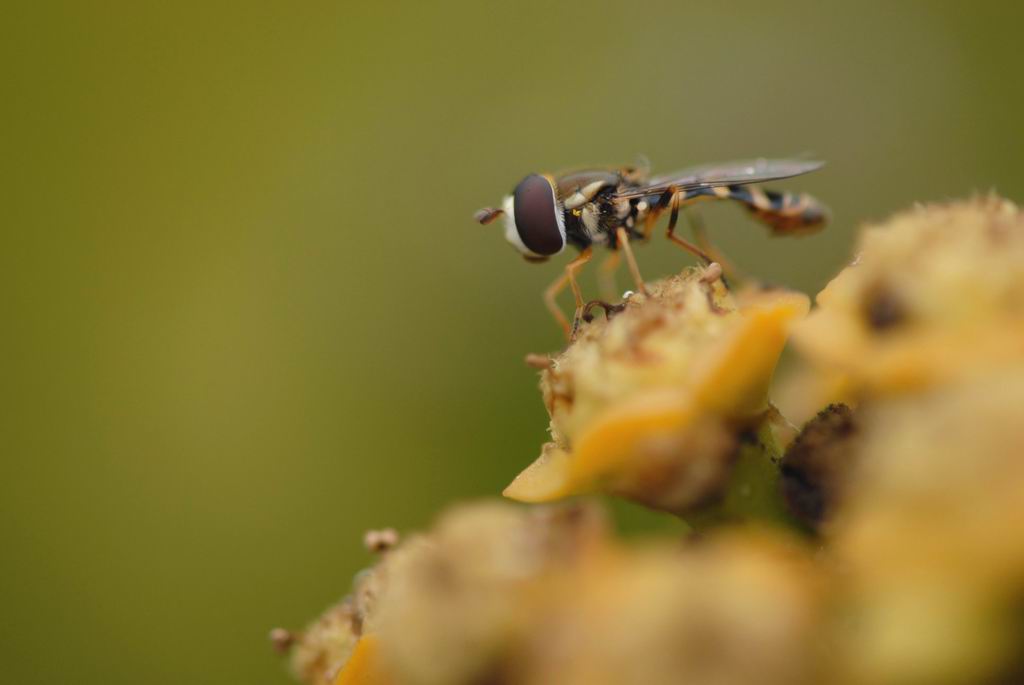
x: 590, y: 217
x: 599, y: 220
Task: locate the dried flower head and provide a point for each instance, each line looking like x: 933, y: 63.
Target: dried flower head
x: 650, y: 403
x: 459, y: 600
x: 736, y: 608
x: 447, y: 607
x: 498, y: 593
x: 817, y: 465
x: 319, y: 652
x: 936, y: 293
x: 932, y: 536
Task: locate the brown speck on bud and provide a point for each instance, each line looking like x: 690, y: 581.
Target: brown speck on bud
x: 378, y: 541
x: 538, y: 361
x: 281, y: 639
x: 883, y: 308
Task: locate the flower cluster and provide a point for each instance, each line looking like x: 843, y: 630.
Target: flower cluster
x: 924, y: 335
x: 884, y: 544
x: 502, y: 594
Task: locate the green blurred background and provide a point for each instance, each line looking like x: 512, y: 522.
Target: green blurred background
x: 246, y: 312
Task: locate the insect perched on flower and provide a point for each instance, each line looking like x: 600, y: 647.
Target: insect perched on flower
x: 608, y: 207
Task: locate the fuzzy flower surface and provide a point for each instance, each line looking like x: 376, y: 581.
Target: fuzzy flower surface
x: 496, y: 593
x: 932, y: 537
x: 649, y: 403
x: 934, y: 294
x: 924, y: 332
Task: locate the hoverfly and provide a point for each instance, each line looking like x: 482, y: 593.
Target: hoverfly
x: 609, y: 207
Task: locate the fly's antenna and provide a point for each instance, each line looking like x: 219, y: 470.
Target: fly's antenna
x: 487, y: 215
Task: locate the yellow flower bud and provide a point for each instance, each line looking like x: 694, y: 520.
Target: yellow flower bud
x: 650, y: 403
x: 935, y: 294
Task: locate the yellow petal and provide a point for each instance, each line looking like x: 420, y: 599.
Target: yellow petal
x: 363, y: 667
x: 544, y: 480
x: 605, y: 446
x: 734, y: 376
x: 617, y: 436
x: 733, y: 382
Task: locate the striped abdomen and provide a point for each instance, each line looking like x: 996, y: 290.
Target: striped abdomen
x: 785, y: 213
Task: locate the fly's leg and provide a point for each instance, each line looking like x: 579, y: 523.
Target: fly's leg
x: 784, y: 213
x: 700, y: 236
x: 550, y: 295
x: 675, y: 199
x: 610, y: 310
x: 570, y: 271
x: 606, y: 275
x: 679, y: 198
x: 552, y: 291
x: 653, y: 214
x: 634, y: 270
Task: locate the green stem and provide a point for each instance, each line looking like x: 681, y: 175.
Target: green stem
x: 753, y: 492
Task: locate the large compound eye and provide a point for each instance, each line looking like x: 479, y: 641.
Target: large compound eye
x: 538, y: 219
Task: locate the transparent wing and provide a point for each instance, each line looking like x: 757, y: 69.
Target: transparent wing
x: 724, y: 174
